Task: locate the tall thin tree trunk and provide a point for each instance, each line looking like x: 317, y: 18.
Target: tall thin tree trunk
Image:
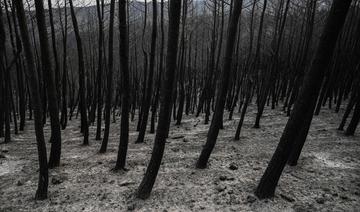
x: 157, y: 95
x: 54, y: 48
x: 82, y: 102
x: 51, y: 90
x: 225, y: 77
x: 99, y: 98
x: 149, y: 87
x: 41, y: 192
x: 166, y: 93
x: 125, y: 102
x: 306, y: 100
x: 64, y: 84
x: 109, y: 79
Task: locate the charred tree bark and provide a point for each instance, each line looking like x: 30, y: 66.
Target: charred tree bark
x: 125, y: 103
x: 149, y: 87
x: 306, y: 99
x: 41, y: 192
x: 166, y: 93
x: 100, y: 9
x: 161, y: 62
x: 54, y: 48
x: 82, y: 102
x: 64, y: 83
x: 4, y: 83
x: 51, y: 90
x: 109, y: 78
x: 225, y: 77
x: 354, y: 122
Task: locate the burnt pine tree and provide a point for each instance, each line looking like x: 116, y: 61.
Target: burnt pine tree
x: 16, y: 48
x: 64, y: 80
x: 143, y: 47
x: 125, y: 103
x: 100, y: 9
x: 2, y: 71
x: 5, y: 86
x: 354, y: 122
x: 221, y: 95
x: 161, y: 62
x: 82, y: 102
x: 55, y: 53
x: 306, y: 99
x: 41, y: 192
x: 181, y: 72
x: 51, y: 90
x: 109, y: 79
x: 167, y: 88
x: 148, y: 92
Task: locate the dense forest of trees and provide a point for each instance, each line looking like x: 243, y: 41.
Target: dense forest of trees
x: 154, y: 62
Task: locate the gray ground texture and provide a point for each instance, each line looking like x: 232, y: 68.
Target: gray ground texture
x: 327, y: 177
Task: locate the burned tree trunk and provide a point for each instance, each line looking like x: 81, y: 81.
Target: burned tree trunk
x: 100, y: 9
x: 157, y: 94
x: 82, y: 102
x: 306, y: 99
x: 354, y: 122
x: 166, y: 93
x: 109, y: 79
x: 225, y: 76
x: 41, y: 192
x: 64, y: 84
x: 51, y: 91
x: 125, y: 99
x: 4, y: 84
x: 54, y: 48
x: 149, y: 87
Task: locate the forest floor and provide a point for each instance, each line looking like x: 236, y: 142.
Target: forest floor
x: 327, y: 177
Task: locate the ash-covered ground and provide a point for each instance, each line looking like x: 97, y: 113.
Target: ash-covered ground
x: 327, y: 177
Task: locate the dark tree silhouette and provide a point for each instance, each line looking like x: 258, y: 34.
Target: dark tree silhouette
x: 51, y: 90
x: 220, y: 99
x: 42, y: 189
x: 109, y: 79
x: 148, y: 93
x: 82, y: 102
x: 100, y: 12
x: 124, y: 63
x: 306, y: 100
x: 166, y: 93
x: 5, y: 77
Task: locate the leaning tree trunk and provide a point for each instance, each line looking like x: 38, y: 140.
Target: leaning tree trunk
x: 306, y: 99
x: 166, y: 93
x: 149, y: 87
x: 51, y: 90
x: 354, y: 122
x: 225, y: 78
x: 82, y: 102
x: 41, y: 192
